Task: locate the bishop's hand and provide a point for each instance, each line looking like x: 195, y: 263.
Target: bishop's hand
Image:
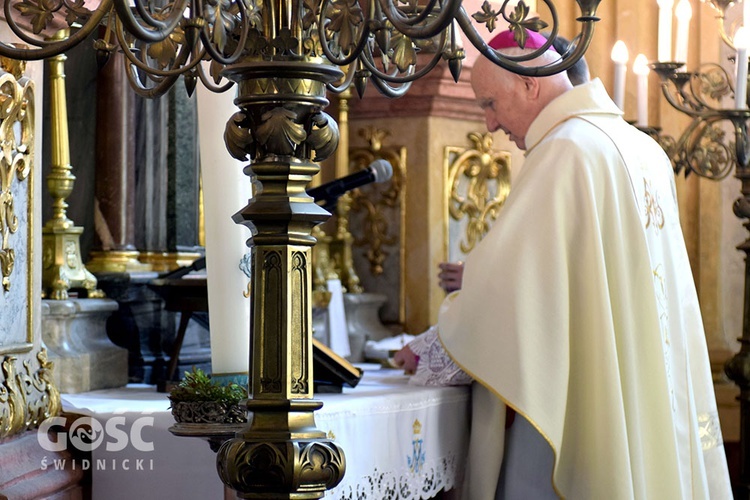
x: 406, y: 359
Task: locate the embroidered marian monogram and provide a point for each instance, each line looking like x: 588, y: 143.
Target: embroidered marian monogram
x: 417, y: 458
x: 654, y: 212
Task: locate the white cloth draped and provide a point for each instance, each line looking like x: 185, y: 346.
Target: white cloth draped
x: 579, y: 311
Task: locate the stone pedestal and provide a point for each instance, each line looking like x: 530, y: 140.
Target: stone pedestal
x: 75, y: 334
x: 363, y: 322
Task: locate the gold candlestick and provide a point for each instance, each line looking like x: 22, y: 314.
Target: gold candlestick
x: 62, y: 266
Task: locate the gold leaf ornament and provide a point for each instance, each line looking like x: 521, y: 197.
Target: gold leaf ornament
x: 165, y: 51
x: 279, y: 132
x: 404, y: 52
x: 218, y: 14
x: 486, y: 16
x: 519, y: 24
x: 324, y: 136
x: 239, y: 139
x: 39, y: 11
x: 345, y: 17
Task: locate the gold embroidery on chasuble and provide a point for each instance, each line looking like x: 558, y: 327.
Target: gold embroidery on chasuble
x: 661, y: 304
x: 654, y: 212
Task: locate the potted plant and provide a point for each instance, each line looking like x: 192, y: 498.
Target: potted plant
x: 199, y: 399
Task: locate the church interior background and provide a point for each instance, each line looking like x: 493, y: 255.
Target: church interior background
x: 140, y: 197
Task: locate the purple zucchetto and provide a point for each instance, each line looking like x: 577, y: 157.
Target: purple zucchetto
x: 506, y: 39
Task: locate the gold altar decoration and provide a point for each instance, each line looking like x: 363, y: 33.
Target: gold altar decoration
x: 284, y: 55
x: 377, y: 220
x: 62, y: 265
x: 379, y: 206
x: 477, y: 184
x: 16, y: 109
x: 27, y: 394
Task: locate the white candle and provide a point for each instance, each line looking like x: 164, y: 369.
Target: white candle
x: 640, y: 68
x: 620, y: 58
x: 665, y: 30
x: 741, y: 42
x: 683, y: 12
x: 225, y: 191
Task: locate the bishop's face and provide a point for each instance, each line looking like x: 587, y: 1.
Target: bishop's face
x: 500, y: 95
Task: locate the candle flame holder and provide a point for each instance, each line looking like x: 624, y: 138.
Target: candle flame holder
x: 704, y: 147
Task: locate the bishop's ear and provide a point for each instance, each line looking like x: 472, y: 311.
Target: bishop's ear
x: 530, y: 86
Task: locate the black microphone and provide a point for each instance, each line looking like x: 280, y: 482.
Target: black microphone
x: 328, y: 193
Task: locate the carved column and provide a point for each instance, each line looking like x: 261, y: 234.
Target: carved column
x: 281, y: 454
x: 114, y: 203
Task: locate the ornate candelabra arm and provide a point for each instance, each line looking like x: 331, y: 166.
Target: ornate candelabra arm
x: 712, y: 81
x: 587, y: 31
x: 152, y: 92
x: 404, y: 20
x: 667, y: 73
x: 349, y: 73
x: 178, y: 66
x: 212, y: 85
x: 411, y: 75
x: 356, y: 46
x: 388, y: 90
x: 448, y: 11
x: 216, y: 55
x: 48, y: 48
x: 157, y: 29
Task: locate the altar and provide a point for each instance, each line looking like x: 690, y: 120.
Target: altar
x: 401, y: 441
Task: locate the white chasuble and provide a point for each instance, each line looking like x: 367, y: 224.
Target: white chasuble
x: 579, y: 311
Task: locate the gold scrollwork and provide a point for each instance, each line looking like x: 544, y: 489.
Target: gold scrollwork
x: 381, y: 203
x: 654, y: 212
x: 471, y: 174
x: 27, y: 396
x: 16, y: 107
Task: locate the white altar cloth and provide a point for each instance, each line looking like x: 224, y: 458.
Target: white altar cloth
x: 401, y: 442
